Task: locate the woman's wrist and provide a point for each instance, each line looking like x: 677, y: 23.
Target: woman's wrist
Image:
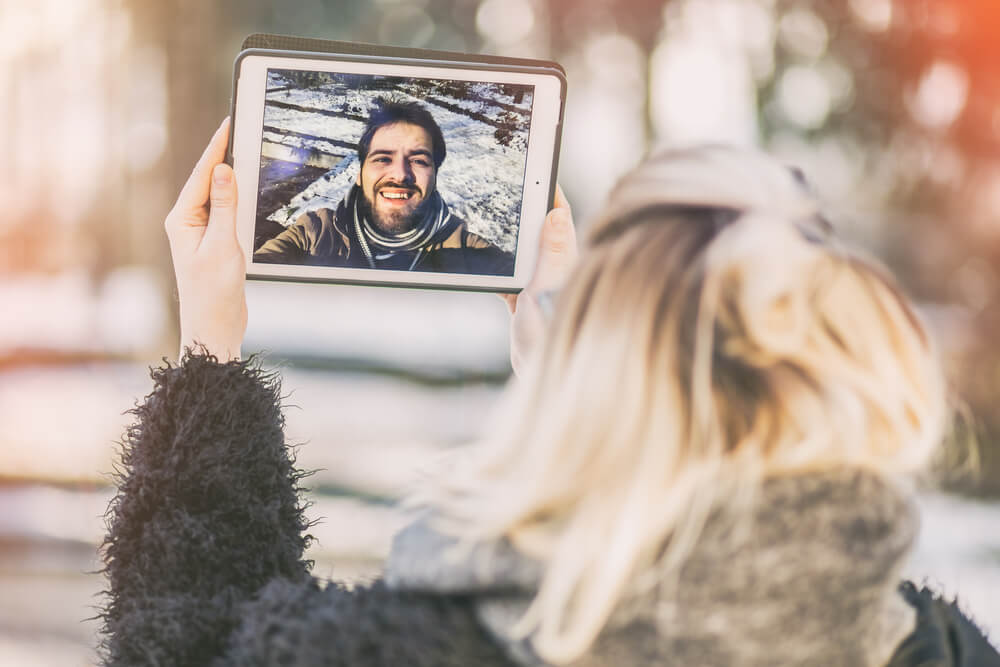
x: 223, y: 350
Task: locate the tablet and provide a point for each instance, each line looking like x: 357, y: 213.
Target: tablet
x: 389, y: 170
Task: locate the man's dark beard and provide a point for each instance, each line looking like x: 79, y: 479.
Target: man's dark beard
x: 397, y: 224
x: 430, y: 219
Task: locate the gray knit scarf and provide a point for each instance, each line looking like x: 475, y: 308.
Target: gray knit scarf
x: 377, y: 245
x: 811, y: 583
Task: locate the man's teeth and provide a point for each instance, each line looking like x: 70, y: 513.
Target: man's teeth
x: 396, y: 195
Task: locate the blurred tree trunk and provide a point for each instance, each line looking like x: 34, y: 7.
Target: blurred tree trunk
x: 572, y: 22
x: 188, y: 36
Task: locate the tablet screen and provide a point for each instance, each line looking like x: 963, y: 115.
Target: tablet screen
x: 391, y: 172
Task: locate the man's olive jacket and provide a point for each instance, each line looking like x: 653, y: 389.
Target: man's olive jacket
x: 326, y: 237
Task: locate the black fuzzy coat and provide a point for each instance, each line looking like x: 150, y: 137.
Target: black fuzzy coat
x: 204, y: 554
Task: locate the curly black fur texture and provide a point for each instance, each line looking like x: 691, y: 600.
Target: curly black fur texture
x: 204, y: 553
x: 944, y: 636
x: 207, y: 512
x: 303, y: 626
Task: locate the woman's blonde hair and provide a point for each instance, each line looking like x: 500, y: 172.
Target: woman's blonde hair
x: 712, y: 335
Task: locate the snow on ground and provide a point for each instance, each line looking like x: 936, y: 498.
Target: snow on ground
x: 489, y: 91
x: 481, y: 180
x: 317, y: 125
x: 336, y: 97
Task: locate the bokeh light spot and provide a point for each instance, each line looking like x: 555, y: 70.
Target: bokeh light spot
x: 146, y: 142
x: 941, y: 95
x: 505, y: 21
x: 975, y: 281
x: 406, y: 25
x: 874, y: 15
x: 803, y: 33
x: 615, y: 59
x: 804, y: 96
x: 702, y: 84
x: 839, y: 80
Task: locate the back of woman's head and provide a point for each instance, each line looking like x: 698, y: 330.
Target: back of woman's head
x: 712, y: 276
x: 713, y: 335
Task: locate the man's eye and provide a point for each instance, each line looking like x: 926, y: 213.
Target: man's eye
x: 381, y: 159
x: 422, y: 162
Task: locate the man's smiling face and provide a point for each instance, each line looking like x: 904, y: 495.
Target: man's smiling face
x: 398, y: 175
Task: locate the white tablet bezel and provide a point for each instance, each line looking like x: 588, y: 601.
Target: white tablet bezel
x: 538, y: 177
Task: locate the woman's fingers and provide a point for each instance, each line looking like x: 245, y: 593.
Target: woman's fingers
x: 185, y: 224
x: 510, y: 300
x: 195, y: 193
x: 557, y: 252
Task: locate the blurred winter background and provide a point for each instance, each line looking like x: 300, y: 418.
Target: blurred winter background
x: 892, y: 107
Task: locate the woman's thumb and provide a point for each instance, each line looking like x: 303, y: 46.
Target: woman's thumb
x: 222, y: 201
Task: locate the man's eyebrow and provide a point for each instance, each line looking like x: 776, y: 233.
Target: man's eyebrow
x: 387, y: 151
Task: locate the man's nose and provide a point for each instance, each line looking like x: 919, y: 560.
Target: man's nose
x: 402, y: 171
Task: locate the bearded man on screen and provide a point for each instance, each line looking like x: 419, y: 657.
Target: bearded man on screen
x: 393, y: 217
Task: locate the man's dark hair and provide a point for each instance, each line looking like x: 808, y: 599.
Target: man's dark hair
x: 388, y: 111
